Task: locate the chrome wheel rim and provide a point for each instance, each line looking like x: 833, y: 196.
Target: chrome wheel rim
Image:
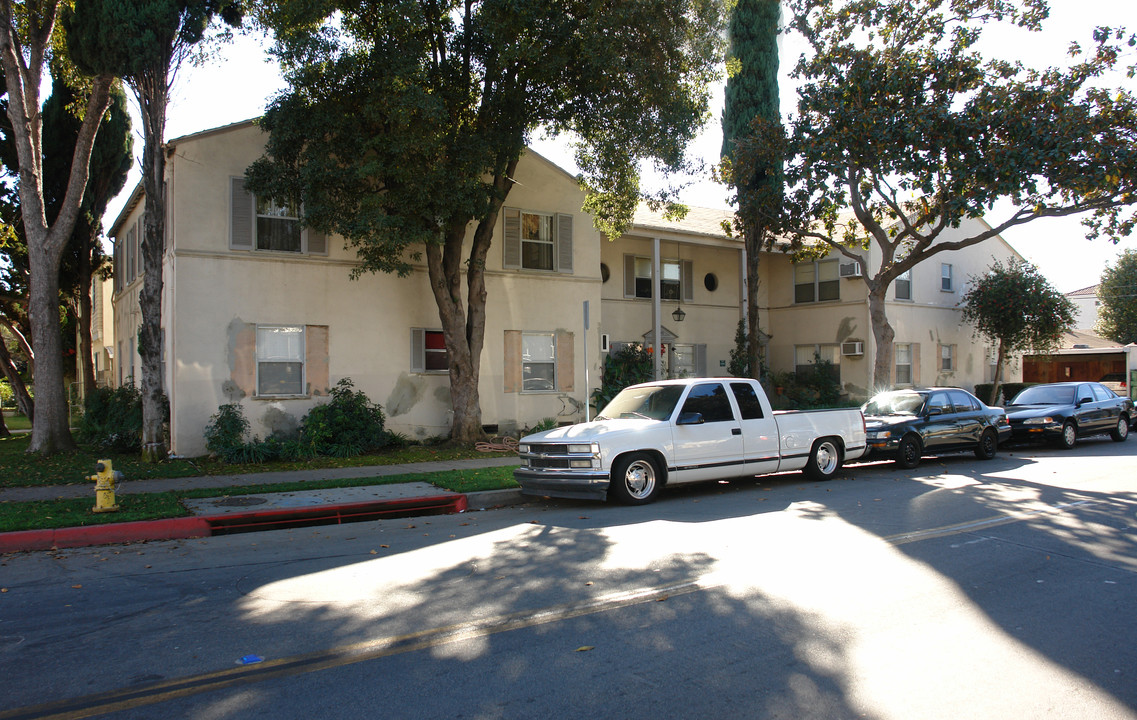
x: 827, y: 458
x: 1069, y: 434
x: 639, y: 479
x: 1122, y: 427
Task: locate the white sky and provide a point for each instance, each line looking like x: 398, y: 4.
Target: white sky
x: 239, y: 85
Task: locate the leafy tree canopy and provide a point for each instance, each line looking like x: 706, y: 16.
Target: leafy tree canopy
x: 1018, y: 310
x: 904, y: 131
x: 402, y: 115
x: 1117, y: 316
x: 1015, y: 305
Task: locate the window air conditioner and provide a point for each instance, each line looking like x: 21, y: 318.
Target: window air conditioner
x: 853, y: 348
x: 850, y: 270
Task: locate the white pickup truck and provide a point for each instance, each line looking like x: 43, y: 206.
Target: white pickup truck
x: 678, y: 431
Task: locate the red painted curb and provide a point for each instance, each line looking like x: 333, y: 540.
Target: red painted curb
x: 172, y: 529
x: 196, y: 527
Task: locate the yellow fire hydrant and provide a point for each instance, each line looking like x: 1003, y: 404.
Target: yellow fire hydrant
x: 105, y: 479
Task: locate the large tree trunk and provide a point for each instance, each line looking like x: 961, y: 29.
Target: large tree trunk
x: 464, y: 328
x: 883, y: 335
x: 51, y: 430
x: 85, y: 352
x: 152, y: 99
x: 23, y: 62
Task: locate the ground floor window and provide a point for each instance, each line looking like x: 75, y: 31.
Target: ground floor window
x: 280, y: 360
x: 947, y: 358
x: 807, y: 357
x: 428, y: 351
x: 538, y: 362
x: 903, y: 354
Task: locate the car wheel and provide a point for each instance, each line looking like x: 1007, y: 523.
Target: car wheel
x: 824, y: 460
x: 988, y: 445
x: 909, y: 452
x: 1069, y: 437
x: 1119, y: 433
x: 635, y: 479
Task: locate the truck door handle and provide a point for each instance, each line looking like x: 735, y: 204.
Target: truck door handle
x: 736, y: 431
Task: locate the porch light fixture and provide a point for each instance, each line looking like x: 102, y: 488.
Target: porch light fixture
x: 678, y: 314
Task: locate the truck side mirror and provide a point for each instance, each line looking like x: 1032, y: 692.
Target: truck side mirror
x: 690, y: 418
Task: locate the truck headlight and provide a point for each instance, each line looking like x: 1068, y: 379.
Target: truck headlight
x: 522, y: 448
x: 580, y: 463
x: 591, y: 448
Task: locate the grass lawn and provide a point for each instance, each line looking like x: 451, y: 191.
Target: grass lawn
x: 16, y: 421
x: 46, y: 514
x: 19, y: 468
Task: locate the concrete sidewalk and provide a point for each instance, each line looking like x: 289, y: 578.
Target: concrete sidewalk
x: 128, y: 486
x: 251, y: 511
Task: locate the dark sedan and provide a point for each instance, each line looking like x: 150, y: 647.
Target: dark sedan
x: 907, y: 424
x: 1063, y: 412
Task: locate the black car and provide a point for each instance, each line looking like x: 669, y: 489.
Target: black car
x: 907, y: 424
x: 1063, y: 412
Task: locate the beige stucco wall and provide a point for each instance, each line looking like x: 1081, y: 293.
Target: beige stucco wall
x: 217, y: 292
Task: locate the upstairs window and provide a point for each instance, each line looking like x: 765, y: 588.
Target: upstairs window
x: 946, y: 278
x: 278, y: 226
x: 265, y: 225
x: 817, y: 281
x: 537, y: 241
x: 676, y: 278
x: 903, y: 285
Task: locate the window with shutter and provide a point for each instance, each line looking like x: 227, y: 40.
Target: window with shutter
x: 261, y: 224
x: 676, y: 278
x: 428, y: 351
x: 537, y: 241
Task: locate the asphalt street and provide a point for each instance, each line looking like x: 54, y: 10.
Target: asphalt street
x: 960, y: 589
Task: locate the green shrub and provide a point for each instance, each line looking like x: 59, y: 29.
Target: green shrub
x: 814, y: 388
x: 225, y: 432
x: 630, y: 365
x: 349, y: 424
x: 112, y: 419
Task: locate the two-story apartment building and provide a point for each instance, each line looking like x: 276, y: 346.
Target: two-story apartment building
x: 260, y: 311
x: 820, y: 309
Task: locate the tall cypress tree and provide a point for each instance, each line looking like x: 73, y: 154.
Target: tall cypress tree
x: 752, y: 98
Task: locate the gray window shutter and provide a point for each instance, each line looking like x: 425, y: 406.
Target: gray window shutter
x: 418, y: 350
x: 629, y: 276
x: 317, y: 242
x: 511, y: 238
x: 687, y: 278
x: 564, y: 242
x: 240, y: 215
x: 701, y: 360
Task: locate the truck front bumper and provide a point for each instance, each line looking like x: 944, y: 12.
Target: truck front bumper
x: 575, y: 485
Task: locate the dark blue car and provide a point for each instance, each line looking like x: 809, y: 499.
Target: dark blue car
x: 1061, y: 413
x: 907, y: 424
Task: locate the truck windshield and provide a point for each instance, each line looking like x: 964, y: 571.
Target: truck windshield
x: 648, y: 402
